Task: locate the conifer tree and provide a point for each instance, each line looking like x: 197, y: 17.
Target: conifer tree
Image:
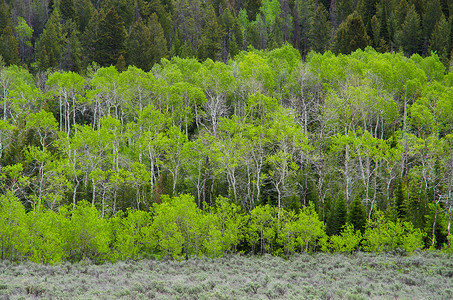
x: 409, y: 37
x: 110, y: 38
x: 50, y: 45
x: 351, y: 35
x: 71, y: 59
x: 210, y: 44
x: 440, y: 40
x: 8, y: 46
x: 337, y: 217
x: 367, y: 9
x: 432, y: 15
x: 357, y: 215
x: 90, y: 36
x: 146, y: 44
x: 67, y: 9
x: 320, y: 30
x: 159, y: 49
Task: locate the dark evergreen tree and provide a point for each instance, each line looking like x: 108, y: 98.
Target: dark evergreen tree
x: 337, y: 216
x: 432, y: 15
x: 320, y: 30
x: 440, y: 40
x: 84, y: 11
x: 357, y: 214
x: 110, y: 38
x: 409, y: 37
x: 71, y: 59
x: 400, y: 200
x: 210, y: 44
x: 8, y: 46
x: 159, y: 49
x: 146, y: 44
x: 367, y: 9
x: 89, y: 38
x: 351, y: 35
x: 50, y: 45
x: 252, y: 7
x: 68, y: 11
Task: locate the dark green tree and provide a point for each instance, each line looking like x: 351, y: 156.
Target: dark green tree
x: 409, y: 37
x: 440, y: 40
x: 320, y: 30
x: 50, y: 45
x: 233, y: 39
x: 110, y: 39
x: 90, y: 36
x: 68, y: 11
x: 432, y: 15
x: 8, y: 46
x: 351, y: 35
x: 146, y: 44
x: 71, y: 59
x: 367, y: 9
x: 357, y: 214
x: 400, y: 200
x: 337, y: 217
x: 252, y: 7
x: 213, y: 32
x: 84, y: 11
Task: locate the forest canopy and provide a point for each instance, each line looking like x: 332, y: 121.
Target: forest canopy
x: 69, y: 35
x: 358, y: 138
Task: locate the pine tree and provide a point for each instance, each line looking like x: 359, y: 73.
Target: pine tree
x: 110, y: 39
x: 351, y: 35
x: 89, y: 38
x: 357, y: 215
x: 432, y: 15
x: 146, y: 44
x: 84, y: 11
x: 320, y: 30
x: 8, y: 46
x: 159, y: 49
x: 367, y: 9
x: 67, y: 9
x: 49, y: 47
x: 337, y: 217
x: 409, y: 37
x: 71, y: 59
x: 440, y: 40
x: 210, y: 44
x: 252, y: 7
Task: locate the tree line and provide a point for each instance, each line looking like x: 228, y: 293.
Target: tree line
x: 357, y: 133
x: 178, y: 229
x: 70, y: 35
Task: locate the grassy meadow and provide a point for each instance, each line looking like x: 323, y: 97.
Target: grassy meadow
x: 425, y: 275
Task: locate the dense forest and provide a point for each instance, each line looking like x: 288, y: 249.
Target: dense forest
x: 267, y: 153
x: 70, y: 35
x: 189, y: 127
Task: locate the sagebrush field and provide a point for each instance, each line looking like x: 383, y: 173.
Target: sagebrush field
x: 425, y: 275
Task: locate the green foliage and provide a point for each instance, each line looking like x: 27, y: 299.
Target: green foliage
x: 132, y: 234
x: 13, y: 231
x: 351, y: 35
x: 86, y: 236
x: 384, y: 235
x: 347, y: 241
x: 357, y: 214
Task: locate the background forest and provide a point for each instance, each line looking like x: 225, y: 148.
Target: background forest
x: 69, y: 35
x: 274, y: 149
